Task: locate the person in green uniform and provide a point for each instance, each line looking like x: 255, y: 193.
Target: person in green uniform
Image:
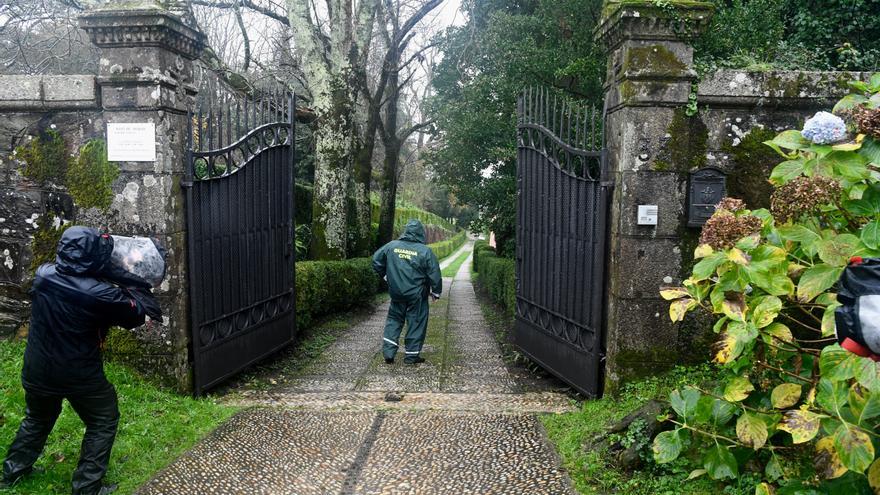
x: 413, y: 275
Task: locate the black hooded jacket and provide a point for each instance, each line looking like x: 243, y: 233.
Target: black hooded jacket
x: 71, y: 314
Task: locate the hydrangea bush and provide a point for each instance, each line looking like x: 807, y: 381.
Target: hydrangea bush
x: 795, y: 413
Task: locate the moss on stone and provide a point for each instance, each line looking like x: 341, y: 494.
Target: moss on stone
x: 120, y: 342
x: 656, y: 60
x: 45, y: 158
x: 687, y: 146
x: 45, y: 242
x: 91, y: 176
x: 752, y: 162
x: 612, y: 6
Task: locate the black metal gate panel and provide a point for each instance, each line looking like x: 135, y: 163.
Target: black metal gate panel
x: 240, y: 231
x: 562, y: 207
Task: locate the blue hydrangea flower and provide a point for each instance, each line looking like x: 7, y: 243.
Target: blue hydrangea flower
x: 824, y: 128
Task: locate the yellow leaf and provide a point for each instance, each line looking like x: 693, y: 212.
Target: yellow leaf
x: 679, y: 308
x: 785, y: 395
x: 780, y: 332
x: 672, y: 293
x: 737, y: 256
x: 803, y: 425
x: 751, y: 430
x: 874, y: 476
x: 847, y: 146
x: 703, y: 250
x: 726, y: 348
x: 764, y: 489
x: 737, y: 389
x: 827, y: 461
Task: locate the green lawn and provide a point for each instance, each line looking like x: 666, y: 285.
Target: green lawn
x: 156, y: 427
x: 453, y: 267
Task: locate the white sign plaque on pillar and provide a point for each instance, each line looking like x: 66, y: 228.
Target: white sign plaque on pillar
x: 134, y: 142
x: 647, y: 215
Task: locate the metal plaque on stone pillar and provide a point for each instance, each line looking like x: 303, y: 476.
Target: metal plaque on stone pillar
x: 706, y: 188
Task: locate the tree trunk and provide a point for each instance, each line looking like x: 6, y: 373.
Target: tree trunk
x: 333, y: 165
x: 392, y: 158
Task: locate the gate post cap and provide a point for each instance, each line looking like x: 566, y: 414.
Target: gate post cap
x: 678, y: 20
x: 142, y: 24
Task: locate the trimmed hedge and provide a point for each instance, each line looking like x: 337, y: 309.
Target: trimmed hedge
x: 324, y: 287
x: 443, y: 249
x: 498, y: 275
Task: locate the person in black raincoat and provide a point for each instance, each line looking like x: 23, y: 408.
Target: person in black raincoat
x: 72, y: 311
x: 413, y: 274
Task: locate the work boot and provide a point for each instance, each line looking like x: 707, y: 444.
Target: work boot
x: 389, y: 360
x: 414, y: 360
x: 107, y: 489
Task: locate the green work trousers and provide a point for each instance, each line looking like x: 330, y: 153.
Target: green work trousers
x: 415, y: 313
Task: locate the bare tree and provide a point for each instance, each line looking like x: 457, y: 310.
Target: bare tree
x: 42, y: 37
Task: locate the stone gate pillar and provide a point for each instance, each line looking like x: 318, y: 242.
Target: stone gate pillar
x: 146, y: 76
x: 649, y: 81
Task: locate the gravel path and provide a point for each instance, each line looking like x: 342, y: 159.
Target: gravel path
x: 350, y: 424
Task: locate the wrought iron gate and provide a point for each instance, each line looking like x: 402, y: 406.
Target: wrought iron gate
x: 562, y: 207
x: 240, y: 231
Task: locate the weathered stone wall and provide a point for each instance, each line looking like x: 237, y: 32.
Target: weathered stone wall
x: 653, y: 145
x: 146, y: 76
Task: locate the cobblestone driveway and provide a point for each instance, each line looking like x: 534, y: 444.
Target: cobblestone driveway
x: 350, y: 424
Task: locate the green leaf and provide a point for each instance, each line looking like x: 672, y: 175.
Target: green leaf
x: 785, y: 395
x: 780, y: 332
x: 854, y: 448
x: 738, y: 389
x: 720, y: 463
x: 766, y: 311
x: 848, y: 164
x: 871, y: 234
x: 703, y: 413
x: 684, y: 402
x: 865, y: 405
x: 706, y: 267
x: 722, y: 412
x: 787, y: 171
x: 773, y: 469
x: 871, y: 150
x: 696, y: 473
x: 868, y: 374
x: 751, y: 430
x: 816, y: 280
x: 798, y: 233
x: 667, y: 446
x: 838, y: 250
x: 849, y: 102
x: 828, y: 319
x: 802, y: 424
x: 836, y: 363
x: 833, y: 395
x: 792, y: 140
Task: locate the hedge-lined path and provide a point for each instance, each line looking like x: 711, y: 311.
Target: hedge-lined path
x: 350, y: 424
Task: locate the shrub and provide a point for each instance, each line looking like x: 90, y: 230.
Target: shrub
x: 443, y: 249
x: 498, y: 275
x: 789, y: 392
x: 324, y: 287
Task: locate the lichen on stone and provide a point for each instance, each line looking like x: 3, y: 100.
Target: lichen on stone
x: 45, y: 243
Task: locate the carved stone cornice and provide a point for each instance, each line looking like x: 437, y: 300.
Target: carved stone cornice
x: 648, y: 21
x: 142, y: 27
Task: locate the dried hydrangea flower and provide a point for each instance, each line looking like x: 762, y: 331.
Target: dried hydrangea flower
x: 724, y: 228
x: 868, y: 121
x: 824, y: 128
x: 802, y: 196
x: 731, y: 204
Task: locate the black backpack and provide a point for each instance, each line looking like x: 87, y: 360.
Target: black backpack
x: 857, y: 322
